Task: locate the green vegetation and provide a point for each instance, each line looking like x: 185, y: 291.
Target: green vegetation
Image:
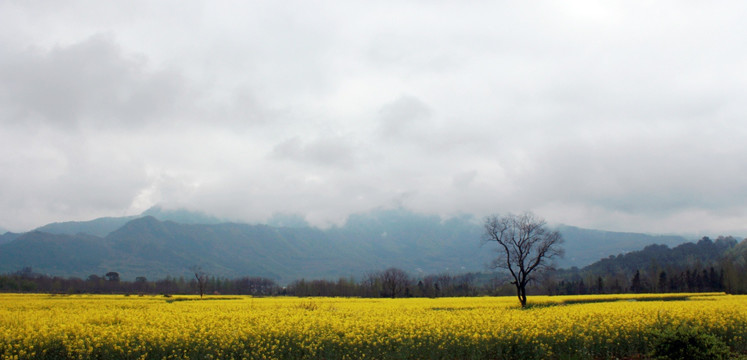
x: 170, y: 242
x: 441, y: 257
x: 687, y: 343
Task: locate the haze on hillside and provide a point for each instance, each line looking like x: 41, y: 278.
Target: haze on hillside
x: 161, y: 243
x: 625, y: 116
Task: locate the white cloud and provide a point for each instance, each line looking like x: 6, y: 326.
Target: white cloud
x: 624, y: 115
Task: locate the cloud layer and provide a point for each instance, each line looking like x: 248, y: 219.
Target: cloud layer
x: 623, y: 116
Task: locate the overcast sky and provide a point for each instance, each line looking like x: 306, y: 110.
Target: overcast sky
x: 624, y: 115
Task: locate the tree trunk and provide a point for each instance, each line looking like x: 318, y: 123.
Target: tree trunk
x: 521, y: 292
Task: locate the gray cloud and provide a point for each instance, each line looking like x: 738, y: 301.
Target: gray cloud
x: 327, y: 151
x: 90, y: 83
x: 621, y: 116
x: 464, y: 179
x: 403, y: 115
x: 50, y: 173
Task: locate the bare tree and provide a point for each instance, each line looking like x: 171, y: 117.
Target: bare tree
x: 392, y: 282
x: 525, y: 247
x: 395, y: 282
x: 201, y: 278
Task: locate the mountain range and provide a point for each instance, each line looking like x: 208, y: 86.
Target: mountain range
x: 103, y: 226
x: 161, y: 243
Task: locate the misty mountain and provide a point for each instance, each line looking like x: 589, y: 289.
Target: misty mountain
x: 103, y: 226
x: 97, y: 227
x: 148, y: 246
x: 181, y: 216
x: 156, y: 248
x: 55, y: 254
x: 8, y: 237
x: 585, y: 246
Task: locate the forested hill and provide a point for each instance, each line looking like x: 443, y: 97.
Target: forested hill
x: 586, y: 246
x: 154, y: 247
x: 8, y: 237
x: 705, y: 265
x: 703, y: 253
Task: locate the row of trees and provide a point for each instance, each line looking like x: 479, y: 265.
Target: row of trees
x: 526, y: 250
x: 395, y: 283
x: 664, y: 281
x: 392, y: 282
x: 26, y: 280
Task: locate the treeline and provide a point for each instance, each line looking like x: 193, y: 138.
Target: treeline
x: 392, y: 282
x: 688, y: 280
x: 704, y: 266
x: 26, y: 280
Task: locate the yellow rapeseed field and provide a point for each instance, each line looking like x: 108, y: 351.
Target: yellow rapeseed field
x: 34, y: 326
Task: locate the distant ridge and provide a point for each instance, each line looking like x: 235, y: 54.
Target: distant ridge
x: 704, y: 252
x: 97, y: 227
x: 181, y: 216
x: 155, y: 246
x: 8, y: 237
x: 55, y: 254
x: 585, y: 246
x: 103, y: 226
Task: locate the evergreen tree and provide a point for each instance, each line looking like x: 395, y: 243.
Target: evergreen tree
x: 636, y: 285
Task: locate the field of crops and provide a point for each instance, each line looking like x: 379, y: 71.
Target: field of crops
x: 224, y: 327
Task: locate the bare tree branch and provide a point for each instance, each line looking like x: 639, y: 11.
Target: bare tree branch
x: 201, y: 278
x: 526, y: 247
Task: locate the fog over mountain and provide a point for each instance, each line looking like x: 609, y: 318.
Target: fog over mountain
x: 103, y: 226
x: 156, y: 246
x: 623, y: 116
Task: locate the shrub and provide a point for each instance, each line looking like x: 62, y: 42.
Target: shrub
x: 687, y: 343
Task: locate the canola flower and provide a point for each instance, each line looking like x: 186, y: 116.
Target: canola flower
x: 36, y: 326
